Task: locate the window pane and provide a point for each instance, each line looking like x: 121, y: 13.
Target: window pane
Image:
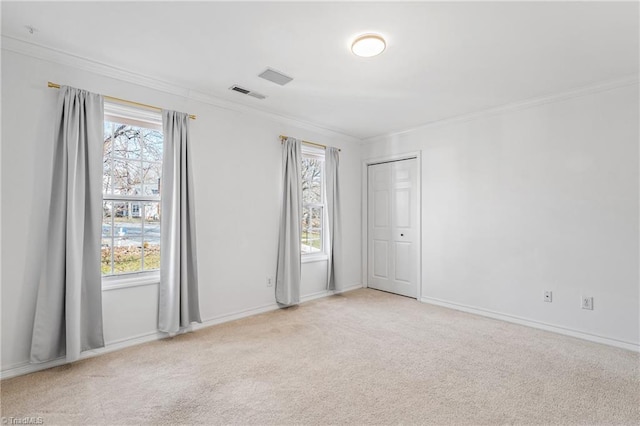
x: 127, y: 220
x: 132, y: 166
x: 151, y: 238
x: 316, y: 217
x: 312, y: 220
x: 127, y: 255
x: 108, y: 142
x: 151, y: 178
x: 311, y: 241
x: 311, y: 230
x: 126, y: 177
x: 305, y: 218
x: 126, y: 143
x: 151, y: 141
x: 107, y: 180
x: 106, y: 158
x: 107, y: 207
x: 304, y: 228
x: 311, y: 181
x: 105, y: 256
x: 315, y: 230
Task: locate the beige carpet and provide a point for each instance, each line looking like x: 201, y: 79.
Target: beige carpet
x: 365, y: 357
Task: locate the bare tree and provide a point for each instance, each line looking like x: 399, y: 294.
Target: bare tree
x: 132, y: 159
x: 311, y: 194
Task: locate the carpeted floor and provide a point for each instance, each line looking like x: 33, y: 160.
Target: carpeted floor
x: 364, y: 357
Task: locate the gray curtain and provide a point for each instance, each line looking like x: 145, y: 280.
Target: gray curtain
x: 178, y: 302
x: 289, y: 267
x: 331, y: 162
x: 68, y: 318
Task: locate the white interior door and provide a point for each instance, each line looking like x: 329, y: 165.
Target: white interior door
x: 393, y: 227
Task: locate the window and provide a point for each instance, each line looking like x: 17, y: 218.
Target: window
x: 132, y: 171
x: 312, y: 237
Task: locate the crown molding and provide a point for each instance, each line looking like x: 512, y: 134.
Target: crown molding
x: 629, y: 80
x: 45, y: 53
x: 293, y: 121
x: 61, y: 57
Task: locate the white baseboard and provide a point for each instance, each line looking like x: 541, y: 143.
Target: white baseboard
x: 534, y: 324
x: 316, y: 295
x: 325, y: 293
x: 26, y: 367
x: 348, y: 288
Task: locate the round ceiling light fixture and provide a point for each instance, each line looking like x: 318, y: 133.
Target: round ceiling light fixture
x: 368, y: 45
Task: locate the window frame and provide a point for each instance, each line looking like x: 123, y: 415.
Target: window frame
x: 318, y: 154
x: 151, y: 120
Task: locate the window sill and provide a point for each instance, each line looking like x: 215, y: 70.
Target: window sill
x: 130, y: 280
x: 310, y: 258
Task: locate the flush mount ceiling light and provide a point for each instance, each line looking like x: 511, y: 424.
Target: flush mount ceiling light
x: 368, y: 45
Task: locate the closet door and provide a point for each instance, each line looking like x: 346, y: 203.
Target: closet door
x: 393, y: 227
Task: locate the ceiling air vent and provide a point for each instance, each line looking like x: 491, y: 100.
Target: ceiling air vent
x: 239, y: 89
x: 275, y: 76
x: 244, y: 91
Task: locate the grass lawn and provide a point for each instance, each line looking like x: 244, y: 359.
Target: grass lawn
x: 311, y: 239
x: 129, y: 259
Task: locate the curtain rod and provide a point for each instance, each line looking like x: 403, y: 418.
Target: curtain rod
x: 123, y: 101
x: 319, y: 145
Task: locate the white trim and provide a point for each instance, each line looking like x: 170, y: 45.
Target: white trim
x: 313, y: 152
x: 316, y: 295
x: 314, y: 257
x: 365, y: 213
x: 632, y: 346
x: 22, y: 368
x: 26, y: 367
x: 317, y: 154
x: 392, y: 157
x: 141, y: 198
x: 133, y: 116
x: 348, y: 288
x: 232, y: 316
x: 117, y: 282
x: 64, y: 58
x: 629, y: 80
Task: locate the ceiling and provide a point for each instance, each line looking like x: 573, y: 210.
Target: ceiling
x: 442, y: 59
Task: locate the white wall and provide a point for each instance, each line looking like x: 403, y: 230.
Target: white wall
x: 237, y: 175
x: 542, y: 198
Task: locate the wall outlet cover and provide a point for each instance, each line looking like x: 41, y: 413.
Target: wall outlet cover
x: 587, y: 303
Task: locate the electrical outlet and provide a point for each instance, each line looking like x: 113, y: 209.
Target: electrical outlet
x: 269, y: 281
x: 587, y: 303
x: 548, y: 296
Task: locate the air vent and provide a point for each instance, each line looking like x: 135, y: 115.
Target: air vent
x: 240, y: 89
x: 275, y: 76
x: 244, y: 91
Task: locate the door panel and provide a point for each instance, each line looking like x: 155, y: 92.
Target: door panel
x: 402, y: 175
x: 381, y: 259
x: 403, y: 208
x: 403, y: 254
x: 393, y: 227
x: 381, y: 203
